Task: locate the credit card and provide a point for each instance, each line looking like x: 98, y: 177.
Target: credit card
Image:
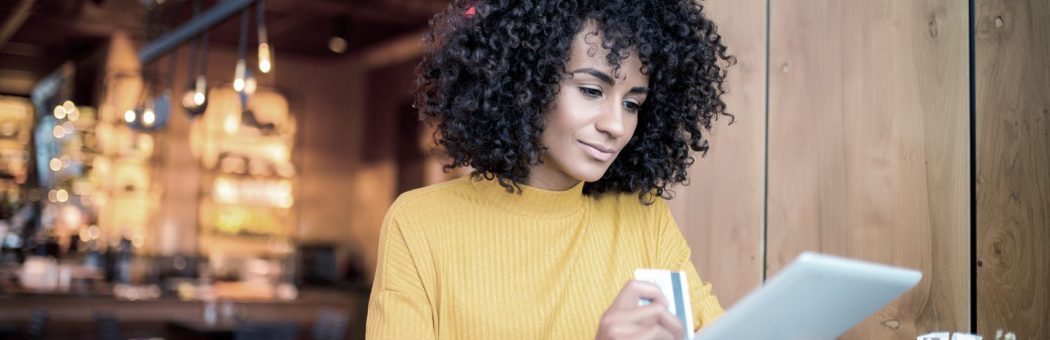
x: 675, y: 288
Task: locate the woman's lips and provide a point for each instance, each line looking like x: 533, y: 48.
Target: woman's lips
x: 598, y: 152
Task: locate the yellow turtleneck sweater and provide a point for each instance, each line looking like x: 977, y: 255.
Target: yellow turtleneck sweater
x: 467, y: 260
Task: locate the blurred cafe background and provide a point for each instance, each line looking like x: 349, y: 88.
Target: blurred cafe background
x: 199, y: 168
x: 219, y: 169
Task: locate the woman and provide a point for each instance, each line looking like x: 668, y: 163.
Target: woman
x: 577, y: 117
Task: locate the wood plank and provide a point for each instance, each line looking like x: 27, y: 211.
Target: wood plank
x: 1012, y: 83
x: 720, y: 212
x: 868, y: 148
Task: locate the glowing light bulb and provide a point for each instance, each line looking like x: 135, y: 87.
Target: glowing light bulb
x: 265, y: 58
x: 68, y: 106
x: 61, y: 195
x: 58, y: 132
x: 129, y: 116
x: 198, y: 98
x: 250, y: 85
x: 238, y: 76
x: 225, y: 191
x: 230, y: 124
x: 60, y: 112
x: 55, y: 164
x: 279, y: 152
x: 148, y: 117
x: 337, y: 44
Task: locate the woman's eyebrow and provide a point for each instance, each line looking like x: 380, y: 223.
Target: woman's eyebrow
x: 639, y: 90
x: 606, y: 78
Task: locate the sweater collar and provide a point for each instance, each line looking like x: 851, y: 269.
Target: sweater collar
x: 533, y: 201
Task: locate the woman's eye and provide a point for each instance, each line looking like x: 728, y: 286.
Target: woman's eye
x: 591, y: 92
x: 631, y: 106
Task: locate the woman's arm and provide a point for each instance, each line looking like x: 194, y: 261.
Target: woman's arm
x: 399, y: 307
x: 673, y: 253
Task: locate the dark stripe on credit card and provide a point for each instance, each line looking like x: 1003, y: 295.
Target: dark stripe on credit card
x: 679, y: 302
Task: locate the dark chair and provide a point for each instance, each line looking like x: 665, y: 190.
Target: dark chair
x: 330, y: 325
x: 317, y: 265
x: 37, y: 323
x: 266, y: 331
x: 107, y: 327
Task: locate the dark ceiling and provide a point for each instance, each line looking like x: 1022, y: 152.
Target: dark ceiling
x: 41, y: 34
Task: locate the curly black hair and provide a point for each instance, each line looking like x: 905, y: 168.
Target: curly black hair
x: 491, y: 68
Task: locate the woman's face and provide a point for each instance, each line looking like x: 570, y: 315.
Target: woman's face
x: 593, y: 117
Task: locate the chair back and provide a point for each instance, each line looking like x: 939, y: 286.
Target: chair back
x: 37, y: 323
x: 266, y: 331
x: 330, y: 325
x: 107, y: 327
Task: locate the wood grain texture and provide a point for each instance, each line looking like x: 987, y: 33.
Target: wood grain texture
x: 720, y: 212
x: 868, y: 148
x: 1012, y: 83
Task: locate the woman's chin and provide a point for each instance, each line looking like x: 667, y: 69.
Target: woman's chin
x: 591, y: 174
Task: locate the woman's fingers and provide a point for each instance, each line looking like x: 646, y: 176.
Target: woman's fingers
x: 636, y: 290
x: 655, y: 333
x: 672, y: 324
x: 626, y: 319
x: 656, y: 315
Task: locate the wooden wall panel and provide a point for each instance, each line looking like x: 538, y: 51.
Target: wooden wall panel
x: 868, y: 148
x: 720, y: 212
x: 1012, y: 89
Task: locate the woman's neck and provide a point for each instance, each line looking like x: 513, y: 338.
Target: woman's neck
x: 542, y: 176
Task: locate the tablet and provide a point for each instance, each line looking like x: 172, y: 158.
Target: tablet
x: 816, y: 297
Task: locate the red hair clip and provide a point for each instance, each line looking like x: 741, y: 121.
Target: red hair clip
x: 470, y: 11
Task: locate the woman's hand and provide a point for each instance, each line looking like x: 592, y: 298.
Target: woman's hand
x: 625, y: 319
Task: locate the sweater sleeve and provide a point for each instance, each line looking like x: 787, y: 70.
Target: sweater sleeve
x: 674, y: 253
x: 399, y: 307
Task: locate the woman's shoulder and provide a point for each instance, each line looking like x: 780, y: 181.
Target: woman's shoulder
x: 632, y: 203
x: 434, y: 196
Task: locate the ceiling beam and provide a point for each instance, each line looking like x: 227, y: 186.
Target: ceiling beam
x: 15, y: 21
x: 191, y: 29
x: 354, y: 10
x: 17, y: 82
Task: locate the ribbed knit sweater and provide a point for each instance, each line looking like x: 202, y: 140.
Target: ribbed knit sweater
x: 465, y: 259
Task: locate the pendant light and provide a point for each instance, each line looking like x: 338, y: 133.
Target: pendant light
x: 265, y: 51
x: 239, y: 71
x: 195, y: 98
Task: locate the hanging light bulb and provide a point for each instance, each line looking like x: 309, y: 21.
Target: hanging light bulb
x: 265, y: 52
x: 60, y: 112
x: 199, y: 96
x: 153, y: 112
x: 148, y: 117
x: 265, y: 61
x: 195, y: 98
x: 145, y: 108
x: 337, y: 42
x: 68, y: 106
x: 249, y: 83
x: 238, y: 71
x: 129, y: 116
x: 238, y: 76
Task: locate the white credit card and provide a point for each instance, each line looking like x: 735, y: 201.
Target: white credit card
x: 676, y: 289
